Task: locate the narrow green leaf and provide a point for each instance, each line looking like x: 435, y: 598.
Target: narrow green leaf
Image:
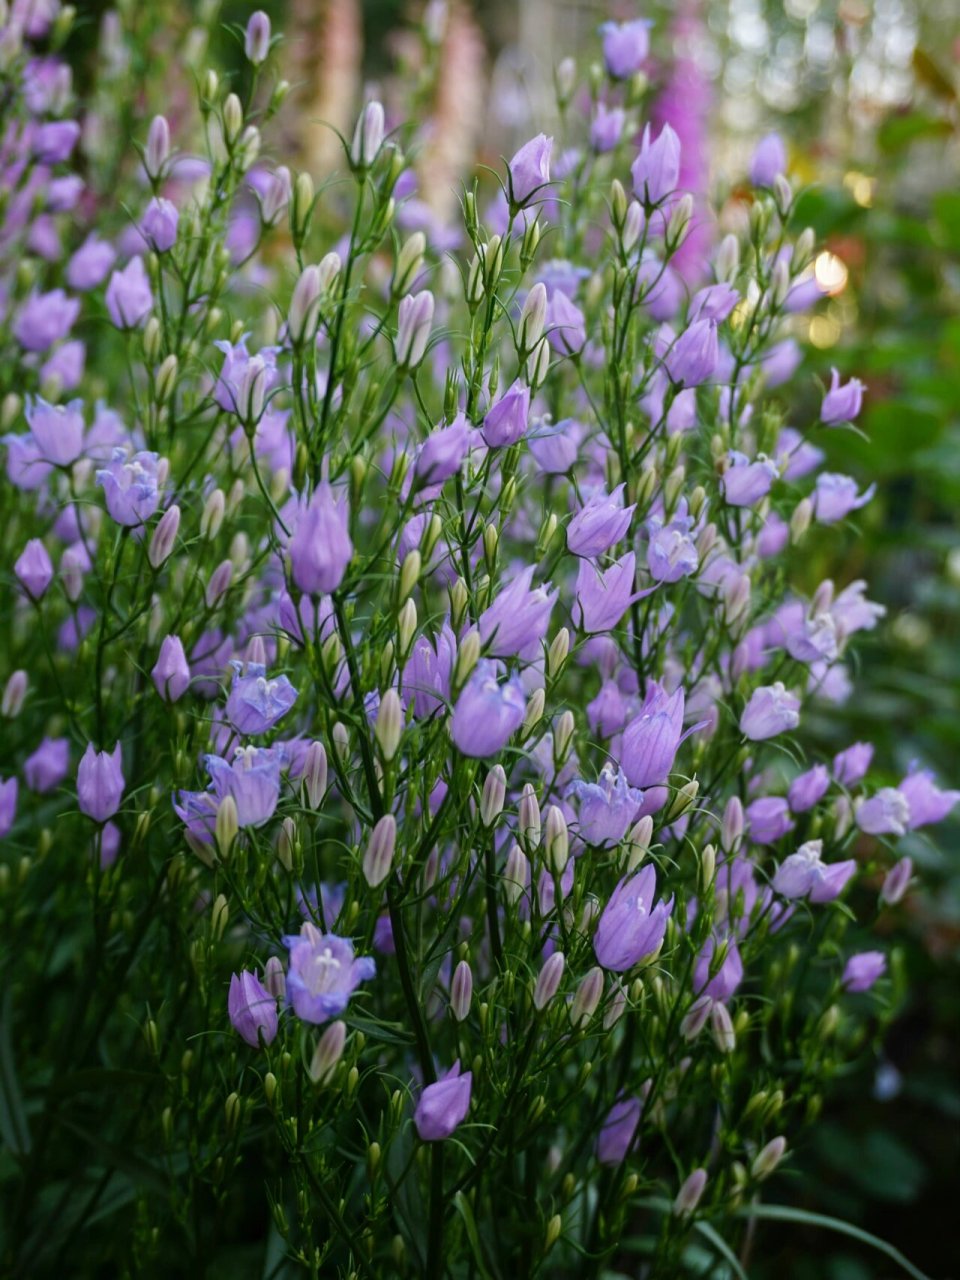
x: 784, y: 1213
x: 721, y: 1246
x: 13, y: 1120
x: 462, y: 1206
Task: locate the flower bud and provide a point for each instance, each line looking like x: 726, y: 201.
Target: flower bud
x: 274, y: 979
x: 301, y: 208
x: 157, y: 151
x: 378, y: 856
x: 721, y: 1027
x: 256, y: 44
x: 684, y: 799
x: 556, y: 839
x: 528, y: 818
x: 554, y: 1227
x: 218, y: 584
x: 767, y: 1159
x: 409, y: 262
x: 315, y: 775
x: 414, y: 322
x: 680, y: 219
x: 493, y: 795
x: 633, y: 224
x: 562, y: 737
x: 695, y: 1019
x: 731, y: 829
x: 538, y: 365
x: 14, y: 692
x: 895, y: 884
x: 565, y: 79
x: 410, y: 572
x: 616, y: 1006
x: 328, y: 1053
x: 232, y: 118
x: 516, y: 875
x: 534, y: 711
x: 587, y: 997
x: 638, y: 842
x: 557, y: 653
x: 389, y: 726
x: 461, y: 991
x: 219, y: 916
x: 367, y: 136
x: 287, y: 844
x: 227, y: 825
x: 688, y: 1197
x: 548, y: 981
x: 303, y: 315
x: 212, y: 517
x: 532, y: 318
x: 468, y: 655
x: 800, y: 519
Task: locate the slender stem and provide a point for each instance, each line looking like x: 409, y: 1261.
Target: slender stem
x: 435, y: 1236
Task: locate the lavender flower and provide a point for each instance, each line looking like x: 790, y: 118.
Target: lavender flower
x: 841, y: 403
x: 656, y: 170
x: 252, y: 1009
x: 517, y: 620
x: 488, y: 712
x: 863, y: 969
x: 320, y: 548
x: 45, y: 318
x: 886, y: 813
x: 255, y: 703
x: 131, y: 487
x: 606, y: 807
x: 100, y: 783
x: 631, y: 929
x: 769, y: 160
x: 625, y: 46
x: 443, y: 1105
x: 506, y: 421
x: 618, y: 1131
x: 601, y: 521
x: 129, y: 297
x: 529, y: 170
x: 323, y: 973
x: 771, y: 710
x: 171, y: 674
x: 604, y: 596
x: 804, y: 874
x: 47, y: 767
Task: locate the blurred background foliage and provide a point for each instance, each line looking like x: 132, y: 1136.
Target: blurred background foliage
x: 866, y: 94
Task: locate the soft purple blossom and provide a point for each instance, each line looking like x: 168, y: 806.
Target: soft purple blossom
x: 131, y: 487
x: 8, y: 805
x: 606, y: 808
x: 45, y: 318
x: 34, y: 569
x: 320, y: 548
x: 744, y: 482
x: 769, y: 160
x: 171, y: 673
x: 606, y: 127
x: 565, y: 325
x: 726, y: 979
x: 428, y: 671
x: 618, y: 1131
x: 885, y: 814
x: 323, y: 973
x: 694, y: 357
x: 671, y: 548
x: 47, y: 767
x: 772, y: 710
x: 506, y: 421
x: 443, y: 1105
x: 602, y: 596
x: 927, y: 802
x: 835, y: 496
x: 257, y: 703
x: 625, y: 46
x: 488, y: 712
x: 529, y: 170
x: 90, y: 264
x: 804, y: 874
x: 158, y: 226
x: 650, y: 741
x: 656, y: 170
x: 863, y: 969
x: 442, y: 453
x: 600, y: 523
x: 841, y: 403
x: 252, y: 1009
x: 57, y: 430
x: 129, y: 297
x: 768, y: 819
x: 100, y: 783
x: 516, y: 621
x: 850, y: 766
x: 809, y: 788
x: 631, y: 928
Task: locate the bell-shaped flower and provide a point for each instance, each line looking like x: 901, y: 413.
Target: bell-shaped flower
x: 631, y: 928
x: 323, y: 973
x: 443, y: 1105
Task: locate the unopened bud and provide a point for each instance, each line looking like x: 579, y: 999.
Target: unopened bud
x: 227, y: 825
x: 328, y: 1053
x: 14, y: 692
x: 409, y: 573
x: 557, y: 653
x: 367, y: 136
x: 516, y: 875
x: 721, y: 1026
x: 211, y: 518
x: 389, y: 726
x: 731, y: 829
x: 548, y: 980
x: 493, y: 795
x: 800, y: 519
x: 587, y: 997
x: 378, y: 856
x: 556, y: 839
x: 534, y: 712
x: 461, y: 991
x: 768, y: 1157
x: 688, y: 1197
x: 157, y: 150
x: 528, y: 819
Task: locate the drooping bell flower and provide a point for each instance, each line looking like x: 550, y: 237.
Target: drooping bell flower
x: 171, y: 673
x: 618, y: 1131
x: 850, y: 766
x: 744, y: 482
x: 320, y: 548
x: 129, y: 297
x: 808, y: 789
x: 517, y: 620
x: 804, y: 874
x: 601, y: 521
x: 529, y: 170
x: 442, y: 453
x: 671, y: 548
x: 651, y: 739
x: 256, y: 703
x: 323, y: 973
x: 488, y: 712
x: 631, y: 928
x: 252, y: 1009
x: 769, y: 160
x: 768, y: 819
x: 606, y: 808
x: 625, y: 46
x: 443, y: 1105
x: 863, y: 969
x: 131, y: 487
x: 602, y: 597
x: 841, y: 403
x: 100, y: 783
x: 772, y: 709
x: 57, y: 430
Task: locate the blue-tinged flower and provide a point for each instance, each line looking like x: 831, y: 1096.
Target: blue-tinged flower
x: 809, y: 788
x: 885, y: 814
x: 804, y: 874
x: 517, y: 620
x: 606, y: 807
x: 427, y: 673
x: 671, y: 548
x: 618, y: 1131
x: 131, y: 487
x: 631, y: 928
x: 252, y: 1009
x: 253, y: 780
x: 529, y: 170
x: 255, y: 703
x: 159, y: 224
x: 841, y: 403
x: 769, y: 160
x: 442, y: 453
x: 656, y: 170
x: 651, y: 739
x: 236, y: 367
x: 772, y: 709
x: 323, y: 973
x: 606, y: 127
x: 744, y: 482
x: 8, y: 804
x: 566, y: 327
x: 443, y: 1105
x: 171, y: 674
x: 927, y: 802
x: 602, y: 597
x: 488, y: 712
x: 863, y: 969
x: 850, y: 765
x: 128, y: 297
x: 768, y: 818
x: 320, y: 548
x: 45, y: 318
x: 625, y: 46
x: 100, y: 783
x: 57, y: 430
x: 34, y: 569
x: 727, y: 978
x: 835, y: 496
x: 47, y: 767
x: 506, y: 421
x: 693, y: 358
x: 601, y: 521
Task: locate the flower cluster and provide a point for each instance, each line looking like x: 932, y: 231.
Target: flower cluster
x: 410, y: 646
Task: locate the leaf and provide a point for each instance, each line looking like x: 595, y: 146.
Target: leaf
x: 784, y: 1213
x: 13, y: 1120
x: 721, y: 1246
x: 462, y: 1206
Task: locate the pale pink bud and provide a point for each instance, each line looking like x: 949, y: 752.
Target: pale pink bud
x: 548, y: 981
x: 461, y: 991
x: 587, y: 997
x: 157, y: 150
x: 328, y: 1052
x: 164, y: 536
x: 315, y: 774
x: 14, y: 692
x: 378, y: 856
x: 688, y: 1197
x: 219, y: 584
x: 493, y: 795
